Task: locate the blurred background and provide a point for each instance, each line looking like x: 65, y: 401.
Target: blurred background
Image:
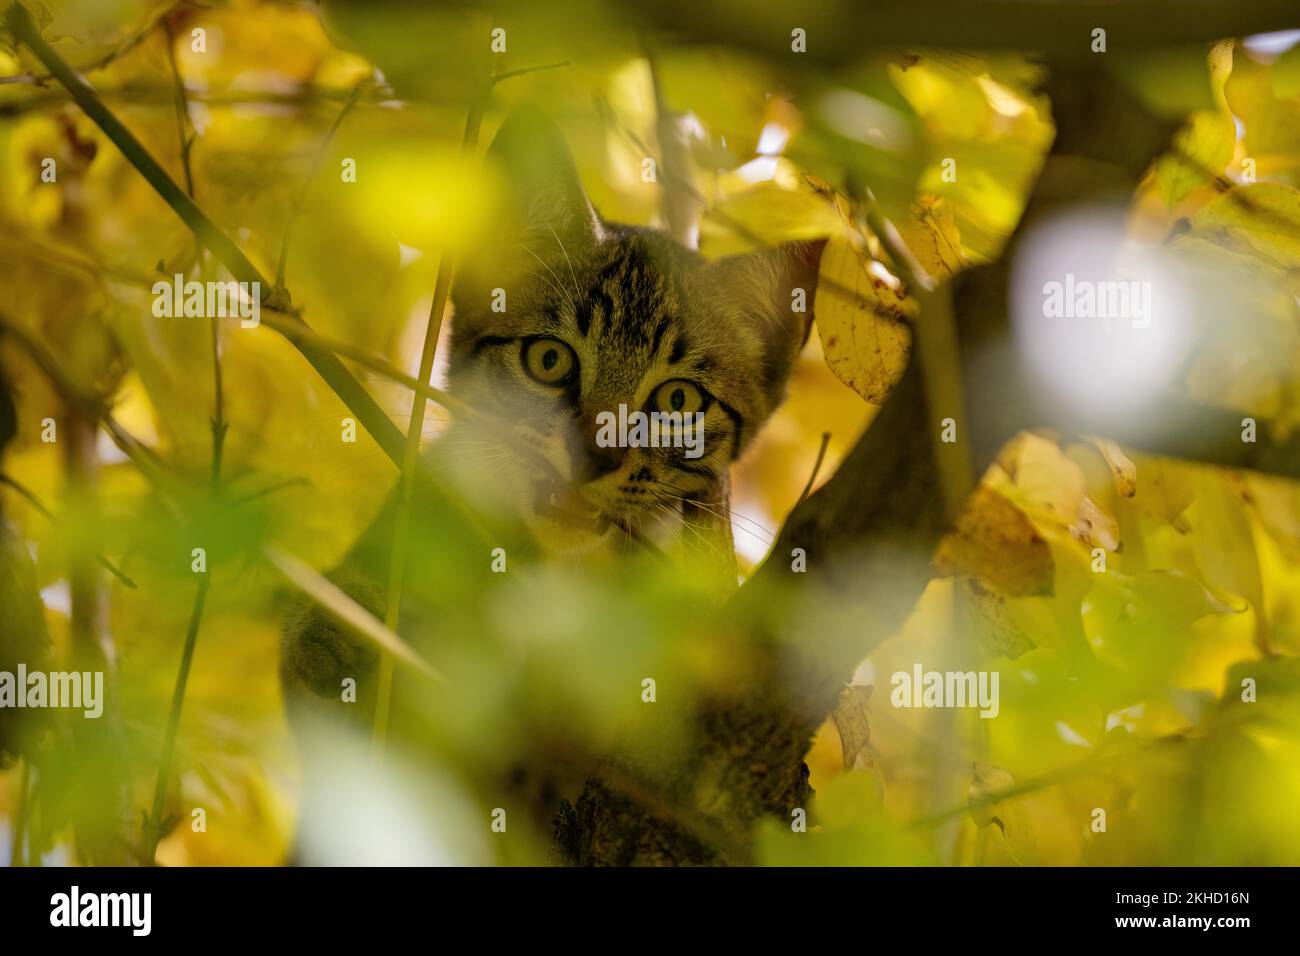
x: 1120, y: 690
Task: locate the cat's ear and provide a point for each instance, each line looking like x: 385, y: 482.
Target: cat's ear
x: 775, y: 289
x: 544, y: 196
x: 544, y: 212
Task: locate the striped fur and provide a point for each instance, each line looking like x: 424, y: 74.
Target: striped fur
x: 637, y: 309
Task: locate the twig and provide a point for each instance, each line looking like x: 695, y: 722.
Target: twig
x: 905, y: 264
x: 95, y: 407
x: 295, y: 210
x: 269, y: 490
x: 331, y: 597
x: 680, y: 206
x: 183, y: 126
x: 415, y: 427
x: 817, y: 466
x: 327, y: 365
x: 36, y: 503
x: 524, y: 71
x: 117, y: 52
x: 153, y: 829
x: 19, y: 837
x: 293, y: 330
x: 937, y: 351
x: 141, y: 93
x: 154, y: 826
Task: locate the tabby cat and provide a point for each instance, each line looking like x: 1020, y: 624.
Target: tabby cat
x: 559, y: 316
x: 599, y: 315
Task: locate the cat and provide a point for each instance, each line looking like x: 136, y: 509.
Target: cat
x: 559, y: 316
x: 600, y: 315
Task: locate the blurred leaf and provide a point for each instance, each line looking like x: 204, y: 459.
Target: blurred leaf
x: 1164, y: 489
x: 1260, y: 217
x: 763, y: 215
x: 1008, y: 816
x: 1201, y: 150
x: 996, y: 540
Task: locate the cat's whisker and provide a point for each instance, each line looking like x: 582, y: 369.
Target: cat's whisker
x: 761, y: 534
x: 658, y: 511
x: 557, y: 285
x: 729, y: 511
x: 565, y: 252
x: 702, y: 547
x: 709, y: 546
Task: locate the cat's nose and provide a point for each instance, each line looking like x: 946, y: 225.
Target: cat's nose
x: 590, y: 458
x: 594, y: 462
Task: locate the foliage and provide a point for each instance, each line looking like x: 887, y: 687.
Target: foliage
x: 1120, y: 689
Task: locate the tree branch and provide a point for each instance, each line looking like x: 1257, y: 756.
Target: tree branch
x: 1062, y: 31
x: 327, y: 365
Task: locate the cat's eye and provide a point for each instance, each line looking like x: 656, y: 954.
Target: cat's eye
x: 679, y: 395
x: 549, y: 361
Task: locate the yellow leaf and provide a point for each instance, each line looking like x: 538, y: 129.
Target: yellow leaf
x: 998, y: 629
x: 932, y: 236
x: 767, y: 214
x: 995, y: 540
x: 1121, y: 467
x: 1164, y: 490
x: 862, y: 321
x: 1007, y: 815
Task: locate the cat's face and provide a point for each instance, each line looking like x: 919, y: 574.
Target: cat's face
x: 594, y: 322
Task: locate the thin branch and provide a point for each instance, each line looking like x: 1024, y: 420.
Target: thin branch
x: 36, y: 503
x: 906, y: 265
x: 681, y: 207
x: 294, y: 330
x: 183, y: 126
x: 154, y: 825
x: 817, y: 465
x: 295, y: 210
x: 269, y: 490
x: 348, y: 389
x: 93, y: 406
x: 135, y: 93
x: 524, y: 71
x: 19, y: 837
x: 126, y: 46
x: 333, y: 599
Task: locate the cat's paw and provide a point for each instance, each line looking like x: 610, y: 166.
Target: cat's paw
x: 319, y: 652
